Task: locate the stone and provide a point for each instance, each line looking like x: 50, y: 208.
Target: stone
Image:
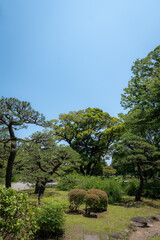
x: 115, y: 236
x: 133, y: 227
x: 123, y: 234
x: 118, y: 233
x: 156, y: 234
x: 153, y: 218
x: 140, y: 221
x: 138, y: 224
x: 91, y: 237
x: 105, y: 236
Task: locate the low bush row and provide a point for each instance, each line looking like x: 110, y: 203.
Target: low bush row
x: 19, y: 219
x: 94, y: 199
x: 76, y: 181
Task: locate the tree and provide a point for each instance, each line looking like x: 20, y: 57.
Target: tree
x: 42, y: 158
x: 142, y: 98
x: 90, y: 132
x: 136, y: 151
x: 108, y: 171
x: 15, y: 115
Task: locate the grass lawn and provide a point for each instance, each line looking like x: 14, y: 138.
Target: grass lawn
x: 116, y: 218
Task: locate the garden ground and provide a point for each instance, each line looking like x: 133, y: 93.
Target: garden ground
x: 115, y: 219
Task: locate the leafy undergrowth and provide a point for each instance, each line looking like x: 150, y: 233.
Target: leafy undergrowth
x: 117, y: 217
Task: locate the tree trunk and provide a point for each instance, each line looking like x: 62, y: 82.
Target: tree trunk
x: 41, y: 191
x: 37, y: 187
x: 81, y: 170
x: 11, y: 157
x: 10, y: 164
x: 88, y: 171
x: 140, y: 188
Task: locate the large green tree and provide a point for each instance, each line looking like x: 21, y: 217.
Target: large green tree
x: 43, y: 157
x: 90, y: 132
x: 15, y: 115
x: 134, y: 152
x: 142, y: 98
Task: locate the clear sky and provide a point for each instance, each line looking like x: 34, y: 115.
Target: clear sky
x: 67, y: 55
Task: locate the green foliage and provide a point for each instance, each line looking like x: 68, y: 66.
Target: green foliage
x: 152, y: 189
x: 142, y: 98
x: 103, y: 198
x: 15, y: 115
x: 50, y: 218
x: 131, y: 188
x: 154, y: 238
x: 92, y: 200
x: 75, y: 181
x: 76, y: 198
x: 43, y: 157
x: 139, y: 153
x: 108, y: 171
x: 85, y: 131
x: 17, y: 216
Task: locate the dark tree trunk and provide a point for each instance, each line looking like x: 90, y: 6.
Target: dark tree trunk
x: 82, y: 170
x: 41, y: 191
x: 37, y: 188
x: 88, y: 171
x: 11, y: 156
x: 140, y: 188
x: 10, y: 164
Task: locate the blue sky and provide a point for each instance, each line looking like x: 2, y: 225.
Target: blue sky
x: 67, y: 55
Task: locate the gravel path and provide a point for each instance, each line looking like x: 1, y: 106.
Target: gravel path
x: 21, y: 185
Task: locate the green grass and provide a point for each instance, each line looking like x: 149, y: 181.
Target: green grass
x: 154, y: 238
x: 116, y: 218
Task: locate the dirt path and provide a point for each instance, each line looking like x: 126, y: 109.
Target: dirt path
x: 145, y: 233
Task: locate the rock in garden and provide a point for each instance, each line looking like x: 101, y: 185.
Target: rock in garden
x: 140, y: 222
x: 156, y: 234
x: 105, y: 236
x: 115, y: 236
x: 153, y: 218
x: 91, y: 237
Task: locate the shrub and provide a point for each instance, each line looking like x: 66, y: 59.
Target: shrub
x: 92, y: 200
x: 50, y: 218
x: 113, y: 190
x: 76, y: 198
x: 152, y: 189
x: 103, y: 198
x: 76, y: 181
x: 131, y: 188
x: 16, y: 216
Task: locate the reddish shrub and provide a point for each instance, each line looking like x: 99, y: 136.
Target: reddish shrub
x: 76, y: 198
x: 92, y: 201
x: 103, y: 198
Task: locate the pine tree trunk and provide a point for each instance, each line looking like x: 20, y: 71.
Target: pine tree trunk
x: 10, y: 165
x: 41, y: 191
x: 11, y: 157
x: 140, y: 188
x: 37, y: 187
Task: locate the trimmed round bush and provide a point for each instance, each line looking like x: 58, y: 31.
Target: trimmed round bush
x: 103, y: 198
x: 92, y: 200
x: 76, y: 198
x: 17, y: 216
